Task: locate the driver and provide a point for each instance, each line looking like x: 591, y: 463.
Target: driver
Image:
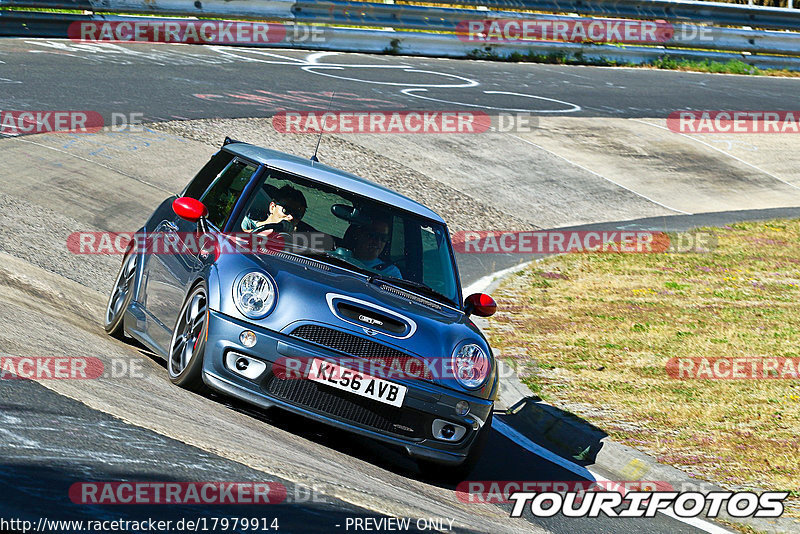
x: 368, y: 242
x: 288, y: 204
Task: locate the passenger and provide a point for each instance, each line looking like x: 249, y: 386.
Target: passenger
x: 288, y: 204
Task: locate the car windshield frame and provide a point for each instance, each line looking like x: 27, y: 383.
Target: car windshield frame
x: 263, y: 173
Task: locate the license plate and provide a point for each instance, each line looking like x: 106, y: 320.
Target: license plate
x: 356, y: 382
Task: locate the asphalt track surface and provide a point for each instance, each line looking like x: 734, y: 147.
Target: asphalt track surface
x: 49, y: 440
x: 167, y: 82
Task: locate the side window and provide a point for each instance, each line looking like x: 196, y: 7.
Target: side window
x: 203, y: 179
x: 398, y: 251
x: 435, y: 256
x: 225, y: 190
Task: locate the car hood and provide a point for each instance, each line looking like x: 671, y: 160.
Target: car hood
x: 311, y: 292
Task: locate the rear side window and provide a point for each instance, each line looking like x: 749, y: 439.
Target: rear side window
x: 207, y: 174
x: 225, y: 191
x: 436, y: 257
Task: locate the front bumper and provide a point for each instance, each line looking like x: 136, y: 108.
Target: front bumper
x: 409, y: 427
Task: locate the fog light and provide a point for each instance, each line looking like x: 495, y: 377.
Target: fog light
x: 244, y: 365
x: 247, y: 338
x: 447, y: 431
x: 462, y: 408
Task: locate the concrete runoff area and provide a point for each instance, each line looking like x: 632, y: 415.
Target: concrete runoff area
x: 571, y: 171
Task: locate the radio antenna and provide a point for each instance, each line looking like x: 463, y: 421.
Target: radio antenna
x: 316, y: 148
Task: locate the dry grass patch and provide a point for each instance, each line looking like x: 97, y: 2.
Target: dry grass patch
x: 593, y: 331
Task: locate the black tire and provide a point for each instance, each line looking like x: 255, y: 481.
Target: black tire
x: 120, y: 297
x: 444, y: 473
x: 188, y: 344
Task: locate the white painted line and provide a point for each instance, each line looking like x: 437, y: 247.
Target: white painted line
x: 480, y: 285
x: 311, y: 64
x: 521, y: 440
x: 720, y: 151
x: 518, y: 438
x: 286, y: 60
x: 314, y: 58
x: 467, y: 82
x: 697, y: 523
x: 573, y: 107
x: 601, y: 176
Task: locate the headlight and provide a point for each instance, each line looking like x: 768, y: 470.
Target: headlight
x: 254, y: 295
x: 470, y: 365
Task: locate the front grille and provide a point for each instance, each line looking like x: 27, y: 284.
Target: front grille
x: 345, y: 406
x: 383, y: 355
x: 345, y: 342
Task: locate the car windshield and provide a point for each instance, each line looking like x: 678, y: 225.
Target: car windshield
x: 359, y: 233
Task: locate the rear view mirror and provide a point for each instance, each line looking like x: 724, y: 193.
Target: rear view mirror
x: 480, y: 304
x: 189, y: 209
x: 350, y: 214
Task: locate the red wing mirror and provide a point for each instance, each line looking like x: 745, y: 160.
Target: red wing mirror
x: 189, y: 209
x: 480, y: 304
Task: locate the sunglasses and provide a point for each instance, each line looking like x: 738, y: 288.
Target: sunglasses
x: 295, y: 212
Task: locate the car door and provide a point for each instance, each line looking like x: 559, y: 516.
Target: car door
x: 173, y: 265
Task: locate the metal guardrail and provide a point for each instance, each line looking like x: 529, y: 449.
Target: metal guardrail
x: 686, y: 10
x: 670, y: 10
x: 24, y: 24
x: 240, y: 9
x: 447, y: 20
x: 410, y: 43
x: 696, y: 41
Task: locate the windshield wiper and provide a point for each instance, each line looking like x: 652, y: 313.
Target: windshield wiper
x: 411, y: 284
x: 333, y: 259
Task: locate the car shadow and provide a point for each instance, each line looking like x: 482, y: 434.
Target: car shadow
x: 503, y: 459
x: 559, y: 431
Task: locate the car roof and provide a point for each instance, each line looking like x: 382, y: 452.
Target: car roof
x: 329, y: 175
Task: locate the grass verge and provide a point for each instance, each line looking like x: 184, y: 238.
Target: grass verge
x: 592, y: 333
x: 734, y: 66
